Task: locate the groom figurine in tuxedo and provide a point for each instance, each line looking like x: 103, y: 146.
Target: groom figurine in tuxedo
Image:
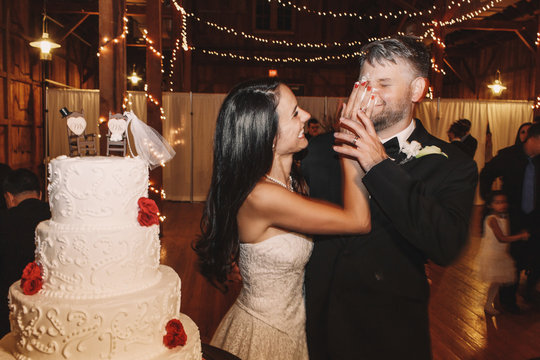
x: 367, y: 296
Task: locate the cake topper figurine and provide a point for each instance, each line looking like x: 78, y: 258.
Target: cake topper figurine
x: 149, y: 144
x: 80, y: 144
x: 117, y: 134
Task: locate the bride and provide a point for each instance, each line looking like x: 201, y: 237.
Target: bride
x: 256, y: 214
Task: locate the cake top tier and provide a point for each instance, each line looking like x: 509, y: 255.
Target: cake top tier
x: 100, y: 191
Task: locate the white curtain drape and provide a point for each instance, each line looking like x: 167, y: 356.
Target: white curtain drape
x: 190, y: 123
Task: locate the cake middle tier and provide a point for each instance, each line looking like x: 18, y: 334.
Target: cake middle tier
x: 79, y: 262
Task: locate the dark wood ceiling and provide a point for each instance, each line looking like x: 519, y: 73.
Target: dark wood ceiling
x: 505, y: 19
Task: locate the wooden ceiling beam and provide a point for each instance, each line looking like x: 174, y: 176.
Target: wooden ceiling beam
x: 487, y: 25
x: 63, y: 7
x: 85, y: 16
x: 460, y: 77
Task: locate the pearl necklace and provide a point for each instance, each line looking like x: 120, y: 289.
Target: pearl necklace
x: 276, y: 181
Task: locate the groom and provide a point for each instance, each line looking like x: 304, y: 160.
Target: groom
x: 367, y: 295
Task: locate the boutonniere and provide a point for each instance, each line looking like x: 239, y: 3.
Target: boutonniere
x: 414, y: 149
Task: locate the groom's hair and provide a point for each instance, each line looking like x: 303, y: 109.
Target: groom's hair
x: 408, y: 48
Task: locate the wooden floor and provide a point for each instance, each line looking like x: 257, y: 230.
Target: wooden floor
x: 460, y: 329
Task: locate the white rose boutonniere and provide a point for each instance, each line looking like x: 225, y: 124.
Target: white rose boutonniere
x: 414, y: 149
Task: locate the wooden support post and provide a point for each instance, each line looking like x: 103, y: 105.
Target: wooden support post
x: 112, y: 63
x: 153, y: 79
x: 437, y: 55
x: 181, y: 77
x: 536, y: 86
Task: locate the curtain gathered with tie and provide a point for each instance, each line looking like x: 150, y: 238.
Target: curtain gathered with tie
x: 191, y: 118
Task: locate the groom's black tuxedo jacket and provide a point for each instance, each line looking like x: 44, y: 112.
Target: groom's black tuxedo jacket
x: 367, y: 296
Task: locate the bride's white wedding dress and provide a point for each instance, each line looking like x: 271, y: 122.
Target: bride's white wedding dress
x: 267, y: 321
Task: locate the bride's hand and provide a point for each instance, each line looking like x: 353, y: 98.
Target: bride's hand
x: 361, y: 141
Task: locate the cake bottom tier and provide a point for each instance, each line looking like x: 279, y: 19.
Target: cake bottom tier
x: 125, y: 327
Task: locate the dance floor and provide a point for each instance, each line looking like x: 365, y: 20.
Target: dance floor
x: 459, y: 327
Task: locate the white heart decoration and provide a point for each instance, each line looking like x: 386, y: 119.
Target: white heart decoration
x: 117, y: 128
x: 76, y: 124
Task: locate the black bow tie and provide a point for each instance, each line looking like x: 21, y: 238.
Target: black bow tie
x: 392, y: 148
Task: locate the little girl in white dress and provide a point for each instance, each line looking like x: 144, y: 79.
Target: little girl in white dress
x: 494, y: 263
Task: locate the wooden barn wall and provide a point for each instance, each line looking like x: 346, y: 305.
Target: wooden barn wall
x: 215, y: 74
x: 21, y: 120
x: 515, y: 62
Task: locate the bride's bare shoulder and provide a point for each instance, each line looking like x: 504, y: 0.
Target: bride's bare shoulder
x: 265, y: 194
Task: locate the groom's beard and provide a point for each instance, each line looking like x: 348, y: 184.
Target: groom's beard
x: 391, y: 115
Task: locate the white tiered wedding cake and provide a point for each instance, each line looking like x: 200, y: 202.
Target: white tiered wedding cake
x: 104, y: 294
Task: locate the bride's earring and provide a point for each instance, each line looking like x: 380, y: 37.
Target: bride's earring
x: 274, y: 147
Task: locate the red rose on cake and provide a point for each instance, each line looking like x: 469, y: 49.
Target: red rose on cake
x: 31, y: 280
x: 176, y: 335
x: 148, y: 212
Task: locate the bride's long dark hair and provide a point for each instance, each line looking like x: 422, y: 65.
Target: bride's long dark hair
x: 243, y: 152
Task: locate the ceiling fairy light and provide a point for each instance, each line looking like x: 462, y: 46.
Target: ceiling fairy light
x: 468, y: 16
x: 329, y: 13
x: 116, y: 40
x: 271, y: 41
x: 280, y: 60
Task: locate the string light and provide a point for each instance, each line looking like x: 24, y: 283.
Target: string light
x: 155, y: 102
x: 280, y: 60
x: 383, y: 38
x: 537, y: 104
x: 149, y: 43
x: 537, y: 42
x: 107, y: 41
x: 273, y: 41
x: 464, y: 17
x: 429, y: 94
x: 431, y: 33
x: 436, y: 68
x: 329, y: 13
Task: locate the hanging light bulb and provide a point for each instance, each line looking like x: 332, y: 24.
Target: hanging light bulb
x: 45, y: 44
x: 497, y: 87
x: 134, y: 77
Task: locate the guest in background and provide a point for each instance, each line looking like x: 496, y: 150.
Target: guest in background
x: 18, y: 223
x: 4, y: 170
x: 522, y: 133
x: 313, y: 128
x: 493, y: 262
x: 455, y: 133
x: 467, y: 139
x: 519, y: 167
x: 320, y: 167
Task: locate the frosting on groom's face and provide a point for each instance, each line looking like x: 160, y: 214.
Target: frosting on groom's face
x: 392, y: 83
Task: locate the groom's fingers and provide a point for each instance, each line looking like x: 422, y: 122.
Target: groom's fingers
x: 354, y: 126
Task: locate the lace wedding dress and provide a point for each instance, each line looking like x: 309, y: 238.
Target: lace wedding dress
x: 267, y: 321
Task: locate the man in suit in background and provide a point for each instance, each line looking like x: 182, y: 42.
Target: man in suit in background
x: 519, y: 167
x: 467, y: 139
x: 18, y: 223
x: 368, y: 297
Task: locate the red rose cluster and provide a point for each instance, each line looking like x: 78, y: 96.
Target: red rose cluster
x: 148, y: 212
x: 176, y: 335
x: 31, y: 280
